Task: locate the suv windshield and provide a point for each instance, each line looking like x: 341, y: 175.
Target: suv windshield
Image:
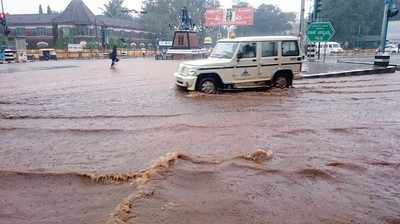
x: 224, y: 50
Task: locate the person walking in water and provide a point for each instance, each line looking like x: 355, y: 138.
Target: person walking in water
x: 398, y: 48
x: 113, y: 56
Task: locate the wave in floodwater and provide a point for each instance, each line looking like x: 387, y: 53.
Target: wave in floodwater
x: 15, y: 69
x: 177, y: 127
x: 255, y: 159
x: 243, y: 191
x: 184, y: 189
x: 353, y: 92
x: 32, y: 117
x: 162, y: 165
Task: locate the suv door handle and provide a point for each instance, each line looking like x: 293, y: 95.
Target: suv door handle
x: 299, y: 58
x: 254, y: 60
x: 275, y: 59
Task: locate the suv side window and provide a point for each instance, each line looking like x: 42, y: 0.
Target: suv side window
x: 290, y: 48
x: 269, y: 49
x: 248, y: 50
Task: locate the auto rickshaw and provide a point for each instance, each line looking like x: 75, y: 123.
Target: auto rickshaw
x: 47, y: 54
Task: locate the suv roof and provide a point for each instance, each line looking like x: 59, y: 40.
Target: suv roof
x: 259, y: 38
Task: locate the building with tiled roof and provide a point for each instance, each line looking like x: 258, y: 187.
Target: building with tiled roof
x: 76, y: 13
x: 75, y: 24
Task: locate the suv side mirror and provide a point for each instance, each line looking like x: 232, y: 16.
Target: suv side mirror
x: 239, y: 56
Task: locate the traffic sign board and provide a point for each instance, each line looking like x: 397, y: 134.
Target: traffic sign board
x: 320, y: 32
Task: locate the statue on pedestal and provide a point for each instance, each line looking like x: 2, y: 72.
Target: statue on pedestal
x: 186, y: 44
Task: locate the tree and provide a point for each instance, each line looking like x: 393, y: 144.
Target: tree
x: 242, y: 4
x: 49, y: 11
x: 268, y: 20
x: 40, y: 10
x: 3, y: 41
x: 353, y: 19
x: 65, y: 39
x: 162, y: 13
x: 93, y: 45
x: 116, y: 9
x: 117, y: 42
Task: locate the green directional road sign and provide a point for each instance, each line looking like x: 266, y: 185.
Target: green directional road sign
x: 320, y: 32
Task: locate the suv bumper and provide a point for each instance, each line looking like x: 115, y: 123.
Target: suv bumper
x: 188, y: 82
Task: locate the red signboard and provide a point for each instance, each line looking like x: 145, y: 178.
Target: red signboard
x: 214, y: 17
x: 236, y: 17
x: 244, y: 17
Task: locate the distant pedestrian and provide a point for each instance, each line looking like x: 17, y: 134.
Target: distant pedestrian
x: 113, y: 57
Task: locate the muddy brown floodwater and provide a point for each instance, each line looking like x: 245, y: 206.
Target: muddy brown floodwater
x: 80, y: 143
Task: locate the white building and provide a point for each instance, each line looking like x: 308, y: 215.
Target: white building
x: 394, y: 31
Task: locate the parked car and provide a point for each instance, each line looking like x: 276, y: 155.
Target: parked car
x: 392, y: 49
x: 331, y: 48
x: 245, y: 62
x: 10, y: 55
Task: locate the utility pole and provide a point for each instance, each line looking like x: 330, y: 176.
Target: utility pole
x: 302, y: 23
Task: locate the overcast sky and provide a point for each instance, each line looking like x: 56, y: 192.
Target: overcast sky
x: 31, y: 6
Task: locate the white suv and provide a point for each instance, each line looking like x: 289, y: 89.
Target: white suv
x: 245, y: 62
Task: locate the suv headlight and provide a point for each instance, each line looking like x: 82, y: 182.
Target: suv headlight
x: 192, y: 72
x: 181, y: 68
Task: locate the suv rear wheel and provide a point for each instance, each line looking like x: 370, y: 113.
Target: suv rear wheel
x: 281, y: 81
x: 208, y: 85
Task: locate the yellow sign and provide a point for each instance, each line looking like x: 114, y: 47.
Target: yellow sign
x: 232, y: 35
x: 208, y: 40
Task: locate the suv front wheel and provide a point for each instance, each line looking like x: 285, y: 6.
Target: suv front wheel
x: 208, y: 85
x: 281, y: 81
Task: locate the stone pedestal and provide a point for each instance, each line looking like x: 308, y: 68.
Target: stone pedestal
x: 185, y: 40
x: 382, y: 60
x: 186, y: 45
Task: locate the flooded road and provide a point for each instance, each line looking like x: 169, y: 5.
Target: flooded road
x: 335, y: 144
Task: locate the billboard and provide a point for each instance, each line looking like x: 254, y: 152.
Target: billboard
x: 235, y: 17
x: 244, y: 17
x: 214, y: 17
x: 75, y: 48
x: 164, y: 43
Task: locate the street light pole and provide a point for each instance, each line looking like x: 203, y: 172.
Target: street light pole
x: 4, y: 20
x: 382, y: 59
x: 315, y: 13
x: 384, y: 26
x: 2, y: 7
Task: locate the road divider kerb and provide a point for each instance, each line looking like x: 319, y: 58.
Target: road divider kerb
x: 357, y: 72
